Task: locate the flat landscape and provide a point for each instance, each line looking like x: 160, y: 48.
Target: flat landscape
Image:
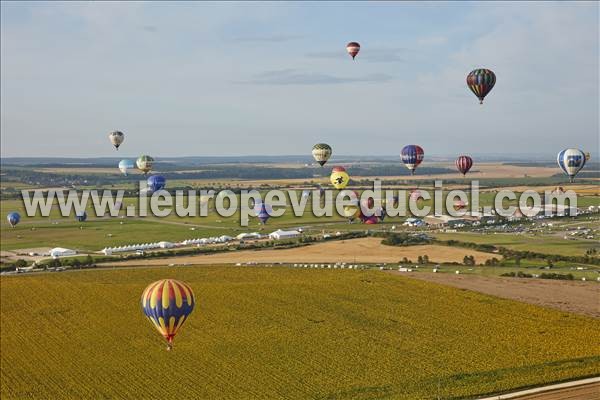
x: 367, y: 250
x: 281, y: 332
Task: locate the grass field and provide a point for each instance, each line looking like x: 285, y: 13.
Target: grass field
x: 281, y: 333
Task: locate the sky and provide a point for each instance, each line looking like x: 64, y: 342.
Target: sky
x: 202, y: 79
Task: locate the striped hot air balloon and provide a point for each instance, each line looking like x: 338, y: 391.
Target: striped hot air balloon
x: 481, y: 81
x: 116, y: 138
x: 167, y: 304
x: 321, y: 153
x: 353, y: 48
x: 571, y: 161
x: 412, y: 155
x: 464, y: 164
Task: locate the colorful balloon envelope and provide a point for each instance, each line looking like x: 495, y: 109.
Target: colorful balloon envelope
x: 412, y: 155
x: 167, y: 304
x: 481, y: 81
x: 321, y: 152
x: 571, y: 161
x: 145, y: 163
x: 125, y: 165
x: 464, y: 164
x: 116, y: 138
x: 353, y: 48
x: 81, y: 217
x: 372, y: 220
x: 13, y: 219
x: 156, y: 183
x: 339, y: 177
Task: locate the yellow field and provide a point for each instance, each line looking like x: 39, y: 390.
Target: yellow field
x: 365, y: 250
x: 280, y: 333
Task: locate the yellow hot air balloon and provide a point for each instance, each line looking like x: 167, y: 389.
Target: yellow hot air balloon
x: 167, y: 304
x: 339, y: 177
x: 350, y: 212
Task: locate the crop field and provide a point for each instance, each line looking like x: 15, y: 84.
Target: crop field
x: 281, y: 333
x: 364, y: 250
x: 542, y: 244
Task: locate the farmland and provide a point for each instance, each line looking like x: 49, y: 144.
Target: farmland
x: 279, y: 332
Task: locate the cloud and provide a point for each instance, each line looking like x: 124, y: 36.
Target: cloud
x: 376, y: 54
x: 294, y: 77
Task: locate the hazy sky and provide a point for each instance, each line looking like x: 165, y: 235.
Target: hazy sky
x: 195, y: 79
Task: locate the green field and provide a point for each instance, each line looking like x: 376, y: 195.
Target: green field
x: 281, y: 333
x: 541, y: 244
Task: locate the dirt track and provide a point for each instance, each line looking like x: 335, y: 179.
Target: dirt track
x: 570, y: 296
x: 585, y: 392
x: 367, y: 250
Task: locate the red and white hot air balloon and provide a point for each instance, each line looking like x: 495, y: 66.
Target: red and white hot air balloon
x: 353, y: 48
x: 464, y: 164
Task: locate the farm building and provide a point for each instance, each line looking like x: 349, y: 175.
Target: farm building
x: 248, y: 236
x: 443, y: 220
x: 61, y: 252
x: 279, y: 234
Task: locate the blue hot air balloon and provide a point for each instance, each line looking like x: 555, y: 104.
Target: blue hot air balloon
x: 412, y: 155
x: 156, y: 183
x: 13, y: 218
x: 81, y: 217
x: 125, y: 165
x: 263, y: 212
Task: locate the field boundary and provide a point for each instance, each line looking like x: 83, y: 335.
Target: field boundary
x: 544, y: 389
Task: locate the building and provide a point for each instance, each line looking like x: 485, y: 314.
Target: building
x: 61, y: 252
x: 444, y: 220
x: 279, y: 234
x: 248, y: 236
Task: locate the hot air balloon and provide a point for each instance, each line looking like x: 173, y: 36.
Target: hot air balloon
x: 464, y: 164
x: 415, y: 194
x: 571, y: 161
x: 144, y: 164
x: 459, y: 204
x: 263, y: 212
x: 125, y: 165
x: 116, y: 138
x: 167, y: 304
x: 372, y: 220
x: 412, y: 155
x: 350, y: 212
x: 339, y: 177
x: 156, y: 183
x: 13, y: 218
x: 81, y: 217
x: 321, y: 153
x: 353, y: 48
x: 481, y: 81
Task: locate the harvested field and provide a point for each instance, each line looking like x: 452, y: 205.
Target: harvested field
x: 366, y: 250
x: 576, y: 297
